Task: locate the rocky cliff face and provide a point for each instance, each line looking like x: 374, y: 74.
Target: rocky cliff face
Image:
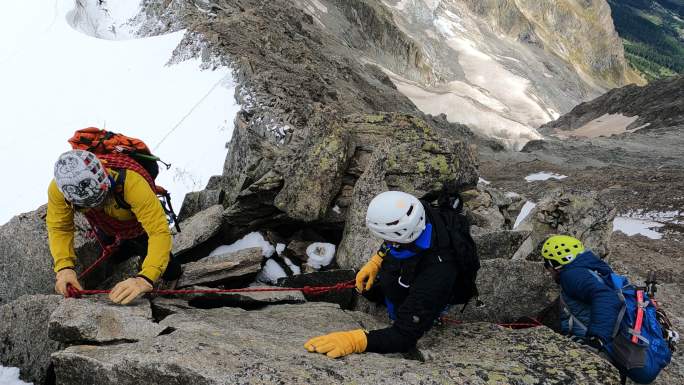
x: 502, y: 67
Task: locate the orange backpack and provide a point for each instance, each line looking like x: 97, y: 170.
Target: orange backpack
x: 103, y: 142
x: 106, y: 142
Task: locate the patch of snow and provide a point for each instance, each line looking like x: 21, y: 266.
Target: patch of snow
x: 524, y: 212
x: 469, y: 105
x: 250, y: 240
x: 483, y: 181
x: 296, y: 270
x: 548, y: 75
x: 544, y: 176
x: 631, y: 226
x: 657, y: 216
x: 320, y: 254
x: 10, y: 376
x: 605, y: 125
x: 337, y: 210
x: 271, y: 272
x: 511, y: 194
x: 319, y: 6
x: 56, y: 80
x: 280, y: 247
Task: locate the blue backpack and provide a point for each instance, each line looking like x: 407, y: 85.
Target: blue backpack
x: 639, y: 348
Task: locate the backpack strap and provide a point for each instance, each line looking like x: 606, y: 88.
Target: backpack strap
x: 572, y: 320
x: 119, y: 189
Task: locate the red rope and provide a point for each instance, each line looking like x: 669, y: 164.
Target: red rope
x: 107, y: 251
x: 310, y: 290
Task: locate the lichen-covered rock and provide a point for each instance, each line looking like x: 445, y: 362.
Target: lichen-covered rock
x: 98, y: 320
x: 24, y: 341
x: 223, y: 268
x: 510, y: 290
x: 228, y: 345
x: 578, y: 214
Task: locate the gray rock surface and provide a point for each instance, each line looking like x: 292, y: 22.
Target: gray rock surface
x: 197, y: 201
x: 96, y: 320
x: 26, y: 262
x: 198, y: 229
x: 24, y: 341
x: 266, y: 346
x: 510, y: 290
x: 223, y: 268
x: 499, y: 244
x: 581, y: 215
x: 245, y: 300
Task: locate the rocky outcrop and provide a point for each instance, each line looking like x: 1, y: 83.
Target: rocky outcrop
x: 233, y: 345
x: 98, y: 321
x: 510, y: 290
x: 581, y: 215
x: 657, y: 105
x: 198, y: 230
x: 24, y: 340
x: 238, y: 267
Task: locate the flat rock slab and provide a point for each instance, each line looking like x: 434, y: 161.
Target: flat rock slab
x: 98, y: 320
x: 243, y: 299
x: 510, y: 290
x: 219, y: 269
x: 344, y: 298
x: 198, y: 229
x: 24, y: 341
x: 234, y: 346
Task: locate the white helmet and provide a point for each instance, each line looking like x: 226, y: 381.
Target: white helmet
x: 81, y: 178
x: 396, y: 216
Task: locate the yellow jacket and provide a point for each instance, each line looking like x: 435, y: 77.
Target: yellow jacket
x: 145, y: 207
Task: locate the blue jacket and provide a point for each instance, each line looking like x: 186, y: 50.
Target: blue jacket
x: 588, y: 297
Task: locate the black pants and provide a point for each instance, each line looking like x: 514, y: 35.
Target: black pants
x: 138, y: 247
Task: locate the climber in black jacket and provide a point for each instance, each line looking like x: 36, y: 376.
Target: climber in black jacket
x: 417, y: 274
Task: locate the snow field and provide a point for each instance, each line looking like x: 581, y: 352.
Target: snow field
x: 57, y: 79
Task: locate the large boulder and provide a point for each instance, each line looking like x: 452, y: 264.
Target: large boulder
x: 97, y: 320
x: 229, y: 345
x: 578, y: 214
x: 510, y: 290
x: 197, y: 231
x: 24, y: 341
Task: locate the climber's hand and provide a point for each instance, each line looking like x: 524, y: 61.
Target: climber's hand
x: 338, y: 344
x: 366, y: 276
x: 129, y: 289
x: 63, y: 279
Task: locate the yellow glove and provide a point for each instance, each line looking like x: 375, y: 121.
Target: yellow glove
x: 65, y: 277
x: 366, y: 276
x: 129, y: 289
x: 338, y: 344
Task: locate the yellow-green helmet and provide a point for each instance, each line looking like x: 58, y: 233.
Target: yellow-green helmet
x: 560, y: 250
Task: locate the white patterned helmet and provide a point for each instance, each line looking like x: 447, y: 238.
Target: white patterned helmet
x: 81, y: 178
x: 396, y: 216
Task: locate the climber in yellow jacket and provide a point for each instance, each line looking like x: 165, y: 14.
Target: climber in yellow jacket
x: 118, y: 202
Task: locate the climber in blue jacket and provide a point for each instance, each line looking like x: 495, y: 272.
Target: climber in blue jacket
x: 589, y: 307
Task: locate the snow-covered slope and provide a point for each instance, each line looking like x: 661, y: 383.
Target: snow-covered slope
x: 66, y: 65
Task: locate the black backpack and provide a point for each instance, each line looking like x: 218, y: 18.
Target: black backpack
x: 455, y: 241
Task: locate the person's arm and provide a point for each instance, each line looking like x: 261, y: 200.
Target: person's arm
x: 149, y: 212
x: 60, y: 228
x: 582, y: 285
x: 428, y: 296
